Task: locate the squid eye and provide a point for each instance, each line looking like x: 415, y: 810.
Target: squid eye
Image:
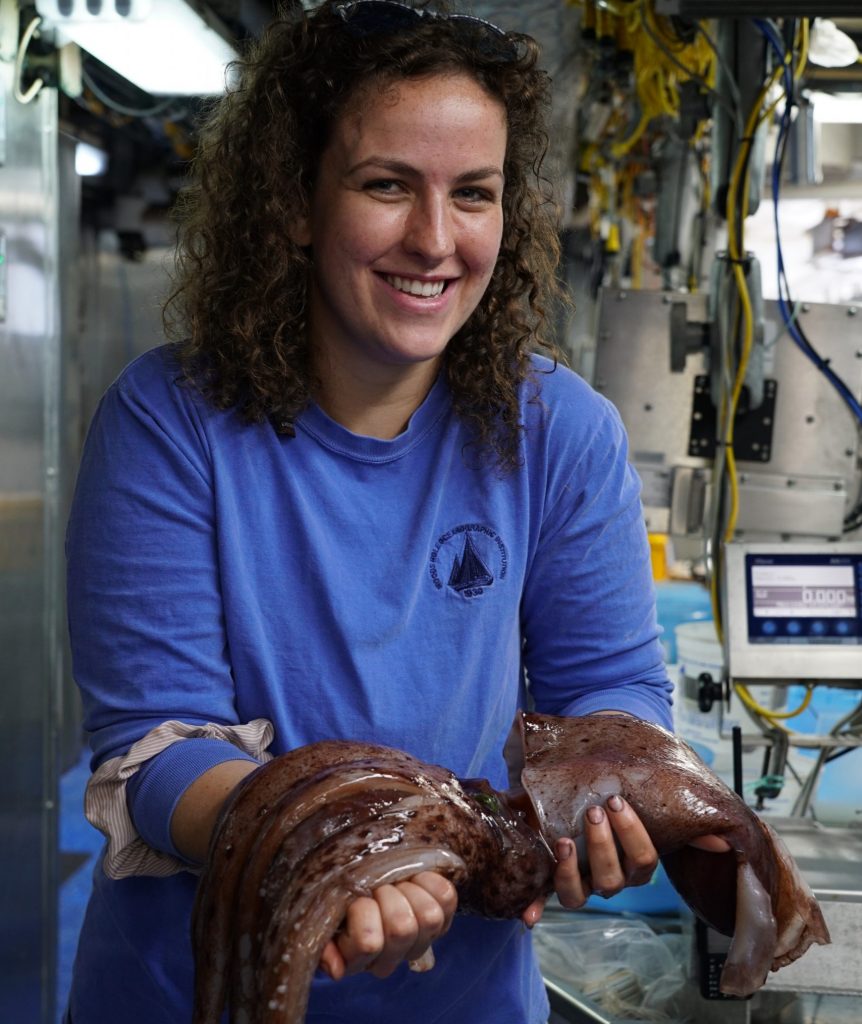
x: 489, y: 802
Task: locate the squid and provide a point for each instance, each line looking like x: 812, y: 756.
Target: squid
x: 308, y: 832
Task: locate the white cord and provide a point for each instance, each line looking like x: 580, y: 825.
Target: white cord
x: 30, y: 94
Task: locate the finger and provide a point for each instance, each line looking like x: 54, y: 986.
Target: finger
x: 442, y: 890
x: 639, y: 856
x: 533, y: 914
x: 361, y: 940
x: 429, y: 916
x: 332, y: 962
x: 606, y: 873
x: 400, y: 929
x: 571, y: 888
x: 712, y: 844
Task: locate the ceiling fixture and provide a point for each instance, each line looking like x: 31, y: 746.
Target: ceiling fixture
x: 165, y: 47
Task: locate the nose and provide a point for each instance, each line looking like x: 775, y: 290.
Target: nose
x: 429, y: 231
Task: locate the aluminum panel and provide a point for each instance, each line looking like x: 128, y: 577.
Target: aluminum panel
x: 779, y: 504
x: 29, y: 549
x: 815, y: 433
x: 815, y: 442
x: 632, y: 369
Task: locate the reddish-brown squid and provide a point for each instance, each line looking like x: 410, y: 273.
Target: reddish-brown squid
x: 310, y: 831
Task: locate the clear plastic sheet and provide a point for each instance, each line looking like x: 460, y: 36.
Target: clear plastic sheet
x: 621, y: 964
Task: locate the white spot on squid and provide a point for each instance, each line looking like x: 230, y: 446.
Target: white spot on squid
x: 282, y: 989
x: 272, y: 1004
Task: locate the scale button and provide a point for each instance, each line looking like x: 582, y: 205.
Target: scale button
x: 769, y: 628
x: 793, y: 628
x: 818, y: 628
x: 842, y: 627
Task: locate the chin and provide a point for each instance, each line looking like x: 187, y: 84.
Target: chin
x: 417, y: 354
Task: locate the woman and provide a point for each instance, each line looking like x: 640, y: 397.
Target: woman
x: 350, y: 503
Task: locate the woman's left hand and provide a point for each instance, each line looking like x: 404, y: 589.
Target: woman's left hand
x: 620, y: 853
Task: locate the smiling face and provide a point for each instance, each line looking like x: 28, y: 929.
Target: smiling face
x: 405, y: 227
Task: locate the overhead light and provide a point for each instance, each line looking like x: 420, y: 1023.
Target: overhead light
x: 836, y: 108
x: 90, y: 161
x: 164, y: 47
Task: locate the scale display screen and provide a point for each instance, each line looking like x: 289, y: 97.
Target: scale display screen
x: 804, y: 599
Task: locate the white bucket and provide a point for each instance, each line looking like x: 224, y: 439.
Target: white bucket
x: 699, y: 651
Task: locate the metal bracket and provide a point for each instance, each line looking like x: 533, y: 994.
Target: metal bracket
x: 752, y: 428
x: 686, y: 336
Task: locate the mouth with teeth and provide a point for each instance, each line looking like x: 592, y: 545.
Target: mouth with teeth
x: 413, y: 286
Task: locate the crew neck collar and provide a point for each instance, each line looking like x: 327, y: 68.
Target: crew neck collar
x: 316, y: 423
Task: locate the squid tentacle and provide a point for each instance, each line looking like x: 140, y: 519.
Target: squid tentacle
x: 286, y: 967
x: 312, y: 830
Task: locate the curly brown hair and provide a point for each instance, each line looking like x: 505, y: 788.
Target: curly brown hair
x: 239, y: 301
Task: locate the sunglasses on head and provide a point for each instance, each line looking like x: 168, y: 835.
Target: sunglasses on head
x: 371, y: 17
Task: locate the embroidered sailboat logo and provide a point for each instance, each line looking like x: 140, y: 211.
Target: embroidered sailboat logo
x: 469, y: 573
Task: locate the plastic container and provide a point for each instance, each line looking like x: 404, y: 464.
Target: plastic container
x: 709, y: 732
x: 838, y: 800
x: 699, y: 650
x: 658, y: 550
x: 679, y: 601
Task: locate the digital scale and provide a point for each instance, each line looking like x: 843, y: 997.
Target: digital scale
x: 793, y: 612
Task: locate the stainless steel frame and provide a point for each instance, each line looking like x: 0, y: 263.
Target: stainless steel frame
x: 31, y: 609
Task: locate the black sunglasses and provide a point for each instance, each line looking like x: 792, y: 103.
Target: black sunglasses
x: 369, y: 17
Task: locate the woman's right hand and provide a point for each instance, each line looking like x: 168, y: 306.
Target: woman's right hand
x: 397, y: 922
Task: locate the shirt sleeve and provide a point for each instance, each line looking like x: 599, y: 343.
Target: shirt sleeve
x: 589, y: 619
x: 130, y: 799
x: 144, y: 603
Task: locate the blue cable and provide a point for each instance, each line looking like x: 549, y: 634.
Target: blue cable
x: 792, y: 327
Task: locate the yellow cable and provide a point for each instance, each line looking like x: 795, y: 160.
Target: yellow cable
x: 735, y: 253
x: 803, y: 39
x: 619, y: 149
x: 729, y: 409
x: 747, y: 699
x: 756, y: 117
x: 656, y: 76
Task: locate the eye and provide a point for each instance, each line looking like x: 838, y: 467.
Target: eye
x: 383, y: 186
x: 470, y: 195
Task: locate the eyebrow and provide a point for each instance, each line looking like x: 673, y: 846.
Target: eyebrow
x: 400, y: 167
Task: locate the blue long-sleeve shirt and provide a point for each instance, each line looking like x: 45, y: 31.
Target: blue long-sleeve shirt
x: 399, y: 591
